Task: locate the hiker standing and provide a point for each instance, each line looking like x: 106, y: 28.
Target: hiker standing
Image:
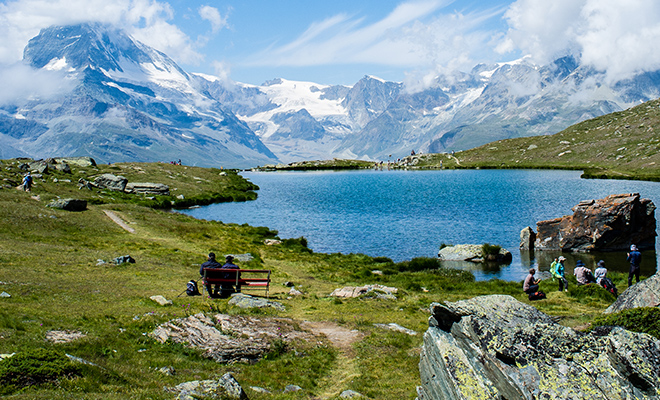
x: 27, y: 182
x: 635, y: 258
x: 558, y: 271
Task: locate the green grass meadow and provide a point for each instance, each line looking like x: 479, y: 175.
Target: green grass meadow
x: 49, y: 264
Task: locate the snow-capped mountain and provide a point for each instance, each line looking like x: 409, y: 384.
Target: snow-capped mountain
x: 128, y: 102
x: 374, y: 119
x: 131, y: 102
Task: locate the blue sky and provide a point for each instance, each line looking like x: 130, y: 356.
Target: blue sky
x: 340, y: 41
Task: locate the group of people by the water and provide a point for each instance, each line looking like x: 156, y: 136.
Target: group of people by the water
x: 583, y: 274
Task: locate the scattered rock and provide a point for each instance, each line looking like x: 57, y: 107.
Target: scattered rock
x: 161, y: 300
x: 492, y: 347
x: 124, y: 259
x: 350, y: 394
x: 609, y: 224
x: 473, y: 253
x: 110, y: 181
x: 147, y: 188
x: 646, y: 293
x: 247, y: 257
x: 63, y: 336
x: 69, y: 204
x: 6, y: 356
x: 246, y: 301
x: 169, y: 371
x: 396, y: 327
x: 272, y: 242
x: 260, y: 390
x: 225, y: 387
x: 100, y: 262
x: 295, y: 292
x: 77, y: 161
x: 231, y: 338
x: 5, y: 294
x: 292, y: 388
x: 379, y: 291
x: 377, y: 272
x: 288, y: 284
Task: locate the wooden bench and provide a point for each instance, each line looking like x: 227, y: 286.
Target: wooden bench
x: 245, y: 278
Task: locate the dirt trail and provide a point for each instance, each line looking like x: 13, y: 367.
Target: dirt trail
x: 117, y: 220
x: 346, y: 368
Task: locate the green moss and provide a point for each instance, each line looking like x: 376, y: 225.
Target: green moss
x: 643, y: 319
x: 35, y: 367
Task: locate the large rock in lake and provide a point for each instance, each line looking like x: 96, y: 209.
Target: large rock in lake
x: 609, y: 224
x: 472, y: 252
x: 643, y: 294
x: 495, y: 347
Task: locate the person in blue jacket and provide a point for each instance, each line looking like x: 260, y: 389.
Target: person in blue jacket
x: 210, y: 263
x: 635, y: 259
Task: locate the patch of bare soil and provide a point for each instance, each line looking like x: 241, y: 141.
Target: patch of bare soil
x: 340, y: 337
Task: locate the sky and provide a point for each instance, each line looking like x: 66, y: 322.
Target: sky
x: 340, y: 41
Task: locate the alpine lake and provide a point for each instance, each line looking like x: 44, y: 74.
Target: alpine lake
x: 406, y: 214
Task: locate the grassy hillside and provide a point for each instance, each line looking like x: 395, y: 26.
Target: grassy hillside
x: 49, y: 265
x: 621, y: 145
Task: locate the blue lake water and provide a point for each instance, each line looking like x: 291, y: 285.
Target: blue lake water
x: 405, y: 214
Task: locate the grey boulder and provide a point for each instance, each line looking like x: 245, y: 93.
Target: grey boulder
x: 495, y: 347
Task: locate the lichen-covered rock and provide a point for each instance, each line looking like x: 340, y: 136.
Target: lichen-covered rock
x: 78, y: 161
x: 643, y: 294
x: 471, y: 252
x: 246, y: 301
x: 494, y: 347
x: 609, y: 224
x: 110, y: 181
x: 223, y: 388
x: 378, y: 291
x: 226, y: 338
x: 147, y: 188
x: 69, y: 204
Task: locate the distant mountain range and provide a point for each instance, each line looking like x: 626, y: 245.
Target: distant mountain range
x: 131, y: 102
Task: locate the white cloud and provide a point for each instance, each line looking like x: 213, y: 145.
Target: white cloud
x: 617, y: 37
x: 212, y: 15
x: 345, y: 40
x: 20, y: 83
x: 147, y: 20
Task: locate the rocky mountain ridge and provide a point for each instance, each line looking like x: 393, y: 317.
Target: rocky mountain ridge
x: 131, y: 102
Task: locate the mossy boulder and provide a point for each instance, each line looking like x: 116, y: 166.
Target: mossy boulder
x: 493, y: 347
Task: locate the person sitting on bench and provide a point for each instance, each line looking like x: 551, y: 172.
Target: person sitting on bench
x: 210, y: 263
x: 228, y: 288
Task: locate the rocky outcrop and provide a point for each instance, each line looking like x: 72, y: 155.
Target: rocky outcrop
x: 495, y: 347
x: 472, y: 252
x: 226, y: 338
x: 224, y: 388
x: 527, y: 238
x: 646, y: 293
x: 111, y: 181
x: 69, y: 204
x: 609, y: 224
x: 246, y: 301
x: 77, y: 161
x: 377, y: 291
x: 147, y: 188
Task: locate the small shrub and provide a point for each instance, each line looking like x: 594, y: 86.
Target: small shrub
x: 587, y: 293
x: 418, y: 264
x: 643, y: 319
x: 490, y: 249
x: 34, y: 367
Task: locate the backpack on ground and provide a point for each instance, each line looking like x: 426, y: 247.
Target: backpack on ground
x: 191, y: 289
x: 609, y: 286
x: 536, y: 296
